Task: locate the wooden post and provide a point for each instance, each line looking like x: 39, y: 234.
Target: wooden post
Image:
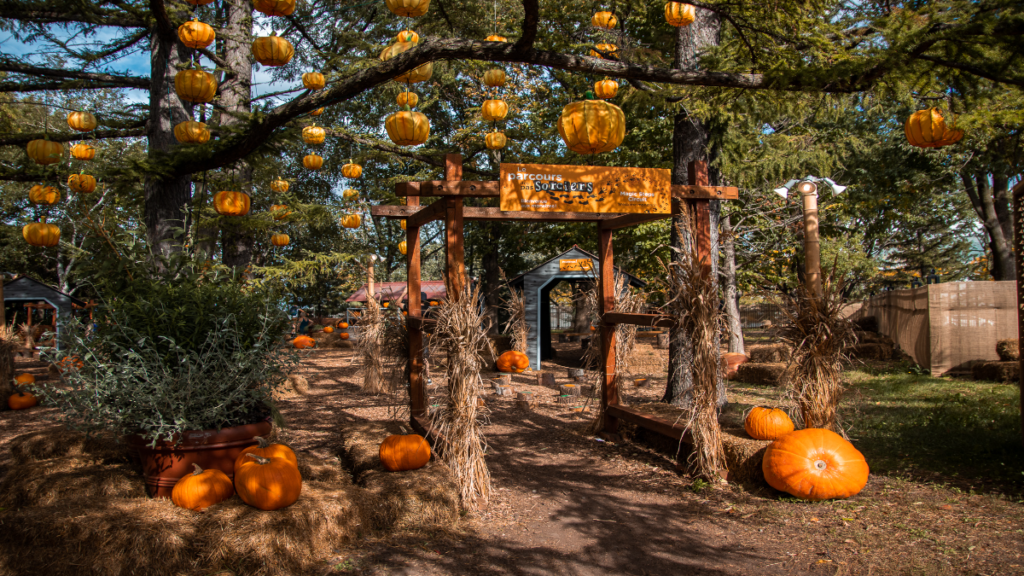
x: 455, y: 250
x: 417, y: 396
x: 700, y: 209
x: 812, y: 249
x: 1018, y: 243
x: 606, y: 294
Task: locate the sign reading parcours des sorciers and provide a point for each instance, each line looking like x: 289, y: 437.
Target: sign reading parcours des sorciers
x: 603, y: 189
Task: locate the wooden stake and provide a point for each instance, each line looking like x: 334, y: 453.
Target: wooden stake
x: 417, y: 392
x: 606, y: 294
x: 454, y: 246
x: 812, y: 248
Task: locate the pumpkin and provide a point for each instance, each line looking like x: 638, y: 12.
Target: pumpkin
x: 592, y: 126
x: 312, y: 161
x: 303, y: 342
x: 351, y: 221
x: 70, y: 363
x: 272, y: 50
x: 280, y: 211
x: 40, y: 194
x: 496, y: 38
x: 815, y: 464
x: 22, y: 400
x: 593, y: 328
x: 342, y: 325
x: 279, y: 239
x: 604, y: 20
x: 343, y: 335
x: 351, y: 171
x: 678, y: 14
x: 275, y: 7
x: 191, y: 132
x: 433, y: 302
x: 196, y: 86
x: 279, y: 186
x: 408, y: 36
x: 202, y: 489
x: 350, y: 194
x: 313, y: 134
x: 403, y: 247
x: 403, y: 224
x: 408, y: 128
x: 267, y: 449
x: 606, y: 89
x: 267, y: 483
x: 44, y: 151
x: 927, y: 129
x: 493, y: 110
x: 495, y: 141
x: 606, y: 51
x: 513, y: 361
x: 408, y: 8
x: 385, y: 304
x: 41, y: 234
x: 82, y: 183
x: 328, y: 329
x: 494, y: 78
x: 421, y: 73
x: 317, y: 112
x: 231, y: 203
x: 767, y: 423
x: 83, y: 152
x: 399, y: 453
x: 313, y: 80
x: 408, y: 99
x: 196, y: 34
x: 25, y: 378
x: 81, y: 121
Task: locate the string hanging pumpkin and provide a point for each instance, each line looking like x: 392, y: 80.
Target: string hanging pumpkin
x: 351, y: 170
x: 312, y: 161
x: 313, y: 81
x: 191, y: 132
x: 408, y: 36
x: 767, y: 423
x: 313, y: 135
x: 604, y: 20
x: 493, y: 110
x: 421, y: 73
x: 81, y: 121
x: 82, y: 183
x: 267, y: 449
x: 403, y: 224
x: 604, y: 50
x: 408, y: 99
x: 495, y: 141
x: 40, y: 194
x: 272, y: 50
x: 351, y: 221
x: 927, y: 129
x: 196, y: 34
x: 267, y: 483
x: 280, y: 239
x: 679, y: 14
x: 317, y: 112
x: 403, y: 247
x: 494, y: 78
x: 606, y: 89
x: 275, y: 7
x: 513, y: 361
x: 41, y: 234
x: 231, y: 203
x: 279, y: 186
x: 280, y: 211
x: 407, y: 128
x: 21, y: 400
x: 592, y: 126
x: 399, y: 453
x: 44, y: 151
x: 496, y: 38
x: 350, y: 194
x: 303, y: 342
x: 83, y: 152
x: 408, y: 8
x: 196, y: 86
x: 815, y: 464
x: 24, y: 379
x: 202, y: 489
x: 70, y: 364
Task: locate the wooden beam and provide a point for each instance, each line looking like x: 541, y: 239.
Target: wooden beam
x: 407, y: 189
x: 656, y: 320
x: 652, y: 423
x: 464, y: 188
x: 705, y: 192
x: 426, y: 325
x: 403, y: 212
x: 428, y: 214
x: 626, y: 220
x: 606, y: 303
x: 475, y: 214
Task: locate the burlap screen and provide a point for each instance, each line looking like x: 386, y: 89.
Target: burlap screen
x: 947, y: 327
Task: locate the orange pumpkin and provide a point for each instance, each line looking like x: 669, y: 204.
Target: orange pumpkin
x: 408, y: 8
x: 604, y: 50
x: 312, y: 161
x: 767, y: 423
x: 40, y: 194
x: 81, y: 121
x: 403, y: 247
x: 191, y: 132
x: 317, y: 112
x: 399, y: 453
x: 604, y: 20
x: 421, y: 73
x: 202, y: 489
x: 328, y: 329
x: 592, y: 126
x: 25, y: 378
x: 513, y: 361
x: 196, y: 86
x: 279, y: 186
x: 408, y: 36
x: 343, y: 335
x: 280, y: 239
x: 275, y: 7
x: 267, y: 483
x: 82, y: 183
x: 267, y: 449
x: 231, y: 203
x: 495, y: 141
x: 815, y: 464
x: 272, y: 50
x: 351, y: 171
x: 493, y: 110
x: 342, y: 325
x: 44, y: 151
x: 606, y: 89
x: 22, y: 400
x: 407, y: 99
x: 280, y: 211
x: 927, y: 129
x: 303, y: 342
x: 313, y: 134
x: 403, y: 224
x: 496, y: 38
x: 41, y: 234
x: 83, y: 152
x: 351, y: 221
x: 196, y: 34
x: 408, y: 128
x: 494, y: 78
x: 350, y: 194
x: 433, y: 302
x: 70, y: 363
x: 679, y: 14
x: 313, y: 81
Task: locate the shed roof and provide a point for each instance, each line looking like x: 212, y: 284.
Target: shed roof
x: 633, y: 280
x: 25, y: 288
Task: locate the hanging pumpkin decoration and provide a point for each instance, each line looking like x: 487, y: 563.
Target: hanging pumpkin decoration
x: 815, y: 464
x: 279, y: 186
x: 279, y: 239
x: 272, y: 50
x: 495, y: 141
x: 493, y: 110
x: 408, y: 8
x: 400, y: 453
x: 604, y: 20
x: 496, y: 38
x: 351, y: 171
x: 927, y: 129
x: 267, y: 483
x: 408, y: 128
x: 196, y: 86
x: 317, y: 112
x: 24, y: 379
x: 494, y: 78
x: 408, y: 36
x: 351, y: 221
x: 231, y: 203
x: 41, y: 234
x: 196, y: 34
x: 313, y: 81
x: 82, y: 183
x: 350, y: 194
x: 606, y: 51
x: 678, y: 14
x: 421, y: 73
x: 83, y: 152
x: 275, y: 7
x: 513, y: 361
x: 191, y: 132
x: 303, y: 342
x: 767, y: 423
x: 21, y: 400
x: 592, y: 126
x: 312, y: 161
x: 44, y: 151
x: 81, y: 121
x: 267, y: 449
x: 403, y: 247
x: 606, y: 89
x: 280, y: 211
x: 313, y: 134
x: 40, y: 194
x: 202, y: 489
x: 403, y: 224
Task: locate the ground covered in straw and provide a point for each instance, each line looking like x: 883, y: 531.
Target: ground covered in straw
x: 564, y: 502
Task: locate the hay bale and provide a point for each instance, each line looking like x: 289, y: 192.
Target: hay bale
x: 1008, y: 350
x: 294, y: 385
x: 996, y: 371
x: 58, y: 442
x: 764, y: 374
x: 48, y: 482
x: 743, y: 456
x: 767, y: 353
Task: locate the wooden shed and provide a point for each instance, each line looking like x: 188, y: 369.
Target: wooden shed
x: 28, y: 294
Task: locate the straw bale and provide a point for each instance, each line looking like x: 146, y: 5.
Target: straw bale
x: 57, y: 442
x: 743, y: 456
x: 764, y: 374
x: 72, y: 477
x: 996, y: 371
x: 767, y: 353
x: 1008, y: 350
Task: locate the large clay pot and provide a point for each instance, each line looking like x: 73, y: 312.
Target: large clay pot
x: 732, y: 361
x: 165, y: 463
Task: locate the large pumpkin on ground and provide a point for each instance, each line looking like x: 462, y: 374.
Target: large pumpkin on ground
x: 41, y: 234
x: 815, y: 464
x: 592, y: 126
x: 202, y: 489
x: 44, y: 151
x: 81, y: 121
x: 21, y: 401
x: 328, y: 329
x: 267, y: 449
x: 513, y: 361
x: 927, y: 129
x: 408, y: 452
x: 408, y: 128
x: 272, y: 50
x: 342, y: 325
x: 343, y: 335
x: 231, y: 203
x: 767, y: 423
x: 82, y: 183
x: 303, y: 342
x: 196, y: 86
x: 267, y: 483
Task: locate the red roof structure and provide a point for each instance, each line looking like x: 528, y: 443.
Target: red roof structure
x: 434, y: 289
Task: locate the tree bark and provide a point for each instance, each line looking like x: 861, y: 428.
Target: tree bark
x: 581, y: 311
x: 990, y: 198
x: 732, y: 293
x: 491, y: 277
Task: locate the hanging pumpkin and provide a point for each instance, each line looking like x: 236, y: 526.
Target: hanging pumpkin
x: 927, y: 129
x: 267, y: 483
x: 280, y: 211
x: 496, y: 38
x: 408, y: 128
x: 403, y: 224
x: 403, y: 247
x: 606, y: 51
x: 494, y: 78
x: 21, y: 400
x: 83, y: 152
x: 493, y: 110
x: 815, y: 464
x: 351, y: 221
x: 81, y: 121
x: 202, y: 489
x: 433, y: 302
x: 303, y: 342
x: 313, y: 81
x: 678, y: 14
x: 351, y: 170
x: 604, y: 20
x: 231, y: 203
x: 495, y: 141
x: 312, y: 161
x: 24, y: 379
x: 400, y: 453
x: 41, y: 234
x: 344, y: 335
x: 313, y: 134
x: 421, y: 73
x: 275, y: 7
x: 82, y: 183
x: 272, y: 50
x: 767, y: 423
x: 606, y: 89
x: 408, y: 99
x: 317, y: 112
x: 408, y: 36
x: 592, y: 126
x: 196, y: 86
x: 267, y: 449
x: 350, y: 194
x: 408, y: 8
x: 191, y: 132
x: 279, y: 186
x: 40, y: 194
x: 70, y: 364
x: 513, y: 361
x: 44, y: 151
x: 279, y: 239
x: 196, y: 34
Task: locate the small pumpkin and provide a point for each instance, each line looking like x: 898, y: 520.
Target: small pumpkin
x: 351, y: 171
x: 767, y: 423
x: 69, y: 364
x: 494, y: 110
x: 408, y: 36
x: 815, y: 464
x: 927, y: 129
x: 317, y: 112
x: 272, y: 50
x: 408, y: 8
x: 313, y: 81
x: 280, y: 211
x: 679, y: 14
x: 403, y: 247
x: 513, y: 361
x: 399, y: 453
x: 342, y: 325
x: 403, y: 224
x: 592, y: 126
x: 280, y: 239
x: 275, y: 7
x: 312, y: 161
x: 408, y: 128
x: 196, y: 34
x: 408, y: 99
x: 421, y: 73
x: 44, y: 151
x: 202, y: 489
x: 196, y: 86
x: 496, y: 38
x: 351, y: 221
x: 267, y: 483
x: 82, y: 183
x: 40, y: 194
x: 231, y: 203
x: 21, y: 400
x: 41, y: 234
x: 343, y: 335
x: 24, y: 379
x: 191, y: 132
x: 303, y: 342
x: 328, y: 329
x: 267, y: 449
x: 279, y: 186
x: 350, y: 194
x: 495, y: 141
x: 606, y: 89
x: 604, y: 20
x: 604, y: 50
x: 313, y: 134
x: 83, y: 152
x: 433, y: 302
x: 494, y: 78
x: 81, y: 121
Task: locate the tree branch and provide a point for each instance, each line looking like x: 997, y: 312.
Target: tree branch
x: 31, y: 13
x: 972, y: 70
x: 437, y: 161
x: 22, y: 139
x: 123, y: 80
x: 69, y: 85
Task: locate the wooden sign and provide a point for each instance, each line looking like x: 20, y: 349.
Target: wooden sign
x: 602, y: 189
x: 576, y: 265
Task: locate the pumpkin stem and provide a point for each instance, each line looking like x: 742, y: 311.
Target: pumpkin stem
x: 198, y: 470
x: 261, y: 442
x: 588, y: 95
x: 259, y: 459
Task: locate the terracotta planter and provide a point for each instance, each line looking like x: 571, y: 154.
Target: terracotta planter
x: 164, y: 464
x: 732, y: 361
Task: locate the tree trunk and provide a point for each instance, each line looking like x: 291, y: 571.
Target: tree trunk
x: 491, y: 277
x: 991, y: 202
x: 732, y: 293
x: 581, y: 311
